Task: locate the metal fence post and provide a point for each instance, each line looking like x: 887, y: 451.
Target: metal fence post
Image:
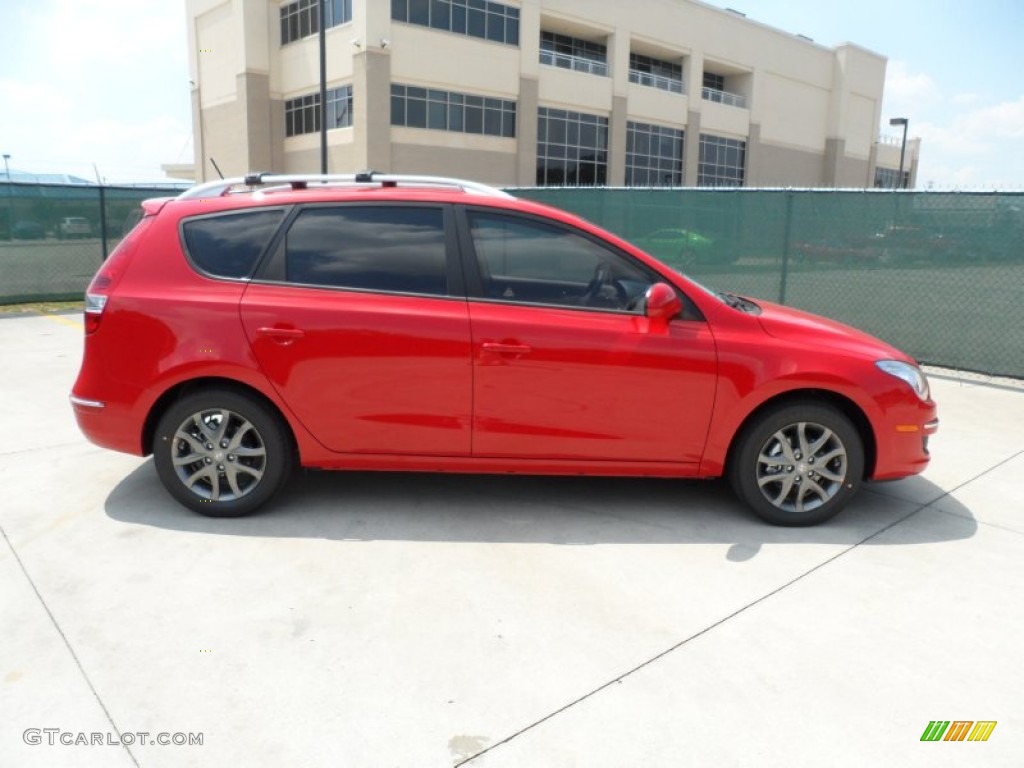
x: 784, y: 277
x: 10, y: 209
x: 103, y: 222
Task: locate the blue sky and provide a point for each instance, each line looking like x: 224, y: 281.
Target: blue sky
x: 105, y: 82
x: 94, y: 81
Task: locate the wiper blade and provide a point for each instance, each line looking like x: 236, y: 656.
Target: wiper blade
x: 738, y: 302
x: 730, y: 298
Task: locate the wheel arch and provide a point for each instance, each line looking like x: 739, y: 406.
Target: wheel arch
x: 190, y: 386
x: 822, y: 397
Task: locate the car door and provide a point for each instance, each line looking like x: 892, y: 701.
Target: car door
x: 566, y: 366
x: 361, y: 324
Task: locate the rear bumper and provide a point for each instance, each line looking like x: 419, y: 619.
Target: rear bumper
x: 107, y: 425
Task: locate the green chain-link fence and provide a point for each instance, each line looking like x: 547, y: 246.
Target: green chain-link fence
x: 939, y: 275
x: 54, y: 237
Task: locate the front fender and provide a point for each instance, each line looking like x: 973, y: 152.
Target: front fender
x: 747, y: 383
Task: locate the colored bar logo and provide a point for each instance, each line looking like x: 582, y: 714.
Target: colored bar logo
x: 958, y: 730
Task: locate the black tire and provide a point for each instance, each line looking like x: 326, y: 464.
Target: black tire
x: 780, y: 482
x: 239, y: 466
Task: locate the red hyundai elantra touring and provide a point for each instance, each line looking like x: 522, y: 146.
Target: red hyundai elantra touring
x: 423, y: 324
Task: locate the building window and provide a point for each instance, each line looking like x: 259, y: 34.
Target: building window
x: 889, y: 178
x: 485, y: 19
x: 654, y: 156
x: 721, y: 161
x: 572, y: 148
x: 713, y: 81
x: 573, y: 53
x: 655, y: 73
x: 302, y: 18
x: 714, y: 90
x: 446, y: 111
x: 302, y: 114
x: 339, y: 107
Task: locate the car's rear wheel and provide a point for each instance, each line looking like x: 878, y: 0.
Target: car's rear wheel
x: 798, y: 464
x: 222, y: 453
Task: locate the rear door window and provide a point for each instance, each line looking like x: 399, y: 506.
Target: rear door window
x: 395, y: 249
x: 229, y: 244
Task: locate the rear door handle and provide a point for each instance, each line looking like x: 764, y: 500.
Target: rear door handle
x: 499, y: 348
x: 281, y: 335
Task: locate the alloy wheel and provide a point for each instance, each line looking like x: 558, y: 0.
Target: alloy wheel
x: 801, y: 467
x: 219, y: 455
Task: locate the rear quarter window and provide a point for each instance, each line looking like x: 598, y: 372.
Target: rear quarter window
x: 229, y: 244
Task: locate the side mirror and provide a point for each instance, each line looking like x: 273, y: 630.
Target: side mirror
x: 661, y: 302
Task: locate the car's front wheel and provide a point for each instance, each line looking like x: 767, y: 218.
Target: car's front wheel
x: 798, y: 464
x: 222, y: 453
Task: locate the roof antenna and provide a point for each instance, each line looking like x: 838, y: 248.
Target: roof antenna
x: 215, y: 166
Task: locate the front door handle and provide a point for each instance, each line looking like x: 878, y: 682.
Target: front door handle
x: 500, y: 348
x: 281, y: 335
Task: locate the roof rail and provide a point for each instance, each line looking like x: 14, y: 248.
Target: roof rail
x: 221, y: 187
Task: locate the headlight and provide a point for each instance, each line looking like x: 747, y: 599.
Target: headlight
x: 911, y: 374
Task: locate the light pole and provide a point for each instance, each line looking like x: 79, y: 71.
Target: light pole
x: 322, y: 12
x: 903, y: 147
x: 7, y: 170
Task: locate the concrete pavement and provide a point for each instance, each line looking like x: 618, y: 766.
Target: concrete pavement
x: 425, y: 620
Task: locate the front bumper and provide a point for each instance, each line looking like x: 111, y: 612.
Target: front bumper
x: 901, y: 441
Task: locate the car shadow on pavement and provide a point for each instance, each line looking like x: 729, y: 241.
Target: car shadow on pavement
x: 389, y: 506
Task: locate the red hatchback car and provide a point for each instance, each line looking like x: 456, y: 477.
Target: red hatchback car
x: 415, y: 323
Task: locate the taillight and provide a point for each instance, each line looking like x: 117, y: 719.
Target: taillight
x: 96, y: 298
x: 94, y: 304
x: 104, y: 281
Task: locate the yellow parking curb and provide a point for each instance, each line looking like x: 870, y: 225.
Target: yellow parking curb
x: 64, y: 319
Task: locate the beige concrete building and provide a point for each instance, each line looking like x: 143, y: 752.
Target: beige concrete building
x: 525, y: 92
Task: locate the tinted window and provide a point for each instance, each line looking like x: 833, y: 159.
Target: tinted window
x: 229, y: 245
x: 529, y: 261
x: 480, y: 18
x: 419, y: 12
x: 398, y: 248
